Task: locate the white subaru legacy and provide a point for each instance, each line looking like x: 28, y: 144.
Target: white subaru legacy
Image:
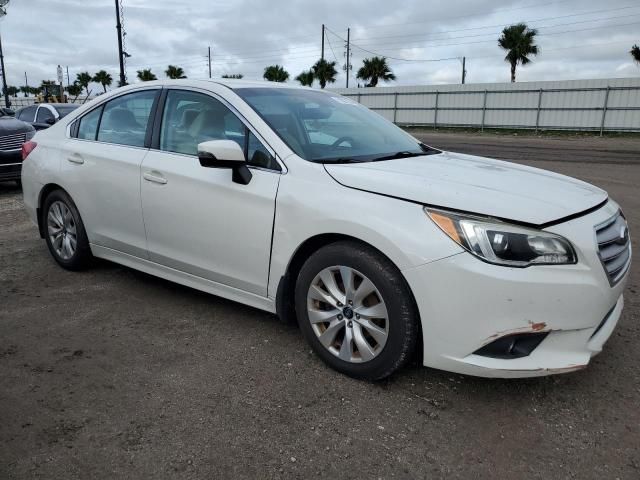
x: 306, y: 204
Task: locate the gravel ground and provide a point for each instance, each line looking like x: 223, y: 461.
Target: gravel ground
x: 112, y: 373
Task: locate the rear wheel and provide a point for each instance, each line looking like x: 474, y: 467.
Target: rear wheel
x: 64, y: 232
x: 356, y: 310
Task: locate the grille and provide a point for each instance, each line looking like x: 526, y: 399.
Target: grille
x: 12, y: 142
x: 614, y: 247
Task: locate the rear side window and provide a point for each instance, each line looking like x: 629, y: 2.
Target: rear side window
x: 88, y: 128
x: 27, y: 114
x: 125, y: 119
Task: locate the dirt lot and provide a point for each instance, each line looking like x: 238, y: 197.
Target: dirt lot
x: 111, y: 373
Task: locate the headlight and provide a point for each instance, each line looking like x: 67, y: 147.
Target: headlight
x: 502, y: 243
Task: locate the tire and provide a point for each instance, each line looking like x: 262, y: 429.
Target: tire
x: 363, y: 321
x: 57, y: 205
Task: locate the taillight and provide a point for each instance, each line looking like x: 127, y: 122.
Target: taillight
x: 27, y: 148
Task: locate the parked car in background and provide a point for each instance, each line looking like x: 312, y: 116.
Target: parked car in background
x: 13, y: 135
x: 44, y: 115
x: 307, y: 204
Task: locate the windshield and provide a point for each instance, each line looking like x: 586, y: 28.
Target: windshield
x: 65, y: 110
x: 325, y: 127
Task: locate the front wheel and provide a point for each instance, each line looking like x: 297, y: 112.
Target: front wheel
x: 64, y: 232
x: 356, y: 310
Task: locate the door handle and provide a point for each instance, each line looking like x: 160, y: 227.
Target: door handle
x: 75, y: 158
x: 150, y: 177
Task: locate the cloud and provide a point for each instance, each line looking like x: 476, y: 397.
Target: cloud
x: 578, y: 39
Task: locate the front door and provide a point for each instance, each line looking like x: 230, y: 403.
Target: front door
x: 197, y: 219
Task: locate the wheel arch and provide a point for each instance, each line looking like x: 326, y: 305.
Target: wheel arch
x: 286, y: 284
x: 44, y: 193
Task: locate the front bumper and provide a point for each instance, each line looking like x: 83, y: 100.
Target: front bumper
x: 10, y: 164
x: 465, y: 304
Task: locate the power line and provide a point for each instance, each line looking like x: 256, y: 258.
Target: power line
x: 539, y: 35
x: 494, y: 33
x: 478, y: 41
x: 332, y: 52
x: 483, y: 14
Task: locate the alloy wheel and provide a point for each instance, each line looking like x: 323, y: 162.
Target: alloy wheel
x: 61, y: 228
x: 348, y: 314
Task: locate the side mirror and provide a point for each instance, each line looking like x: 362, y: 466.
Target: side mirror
x: 225, y: 154
x: 50, y: 121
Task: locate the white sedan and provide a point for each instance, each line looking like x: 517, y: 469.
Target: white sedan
x: 306, y: 204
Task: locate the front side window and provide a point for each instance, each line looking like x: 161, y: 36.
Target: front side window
x: 324, y: 127
x: 44, y: 114
x: 190, y: 118
x: 125, y: 119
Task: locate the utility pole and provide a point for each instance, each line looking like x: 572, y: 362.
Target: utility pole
x: 3, y: 12
x: 464, y: 71
x: 322, y: 56
x: 123, y: 80
x: 4, y: 78
x: 26, y: 84
x: 209, y: 62
x: 348, y: 55
x: 68, y: 81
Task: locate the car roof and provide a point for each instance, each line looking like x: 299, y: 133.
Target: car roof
x: 229, y: 83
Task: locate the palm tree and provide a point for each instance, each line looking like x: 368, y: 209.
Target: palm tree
x: 26, y: 90
x: 275, y: 73
x: 104, y: 79
x: 146, y: 75
x: 84, y: 79
x: 374, y: 69
x: 325, y: 72
x: 75, y: 89
x: 518, y: 40
x: 174, y: 72
x: 12, y: 91
x: 306, y: 78
x: 236, y: 76
x: 635, y: 53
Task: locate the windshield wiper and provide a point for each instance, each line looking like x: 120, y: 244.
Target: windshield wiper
x: 340, y: 160
x: 394, y: 156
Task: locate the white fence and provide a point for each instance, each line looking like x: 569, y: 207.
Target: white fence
x: 598, y: 105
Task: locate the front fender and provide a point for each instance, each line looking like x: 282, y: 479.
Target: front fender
x: 310, y: 203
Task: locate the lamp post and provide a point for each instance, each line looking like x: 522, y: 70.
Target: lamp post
x: 3, y: 12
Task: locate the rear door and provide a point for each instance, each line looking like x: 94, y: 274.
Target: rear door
x: 197, y: 219
x: 101, y: 166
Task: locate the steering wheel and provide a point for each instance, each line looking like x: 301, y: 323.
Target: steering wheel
x: 340, y: 140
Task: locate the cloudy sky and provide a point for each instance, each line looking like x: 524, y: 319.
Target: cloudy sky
x: 422, y: 40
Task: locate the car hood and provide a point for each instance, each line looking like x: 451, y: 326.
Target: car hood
x: 11, y: 126
x: 474, y: 184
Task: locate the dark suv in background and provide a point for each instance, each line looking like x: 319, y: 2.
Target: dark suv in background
x: 13, y: 134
